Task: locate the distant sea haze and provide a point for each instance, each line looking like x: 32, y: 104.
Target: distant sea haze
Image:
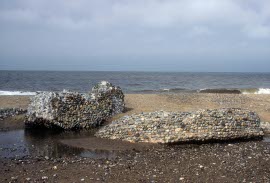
x: 29, y: 82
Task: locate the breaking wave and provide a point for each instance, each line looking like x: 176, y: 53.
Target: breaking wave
x: 256, y: 91
x: 17, y: 93
x: 165, y: 90
x: 237, y: 91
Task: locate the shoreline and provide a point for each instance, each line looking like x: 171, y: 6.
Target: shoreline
x: 184, y: 102
x: 138, y: 103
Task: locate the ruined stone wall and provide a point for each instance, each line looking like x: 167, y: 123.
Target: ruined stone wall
x: 173, y: 127
x: 70, y: 110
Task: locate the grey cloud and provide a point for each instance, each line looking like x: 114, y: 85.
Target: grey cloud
x: 157, y: 13
x: 116, y: 30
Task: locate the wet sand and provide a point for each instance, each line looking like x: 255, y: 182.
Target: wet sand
x: 99, y: 144
x: 218, y: 162
x: 237, y: 162
x: 12, y: 123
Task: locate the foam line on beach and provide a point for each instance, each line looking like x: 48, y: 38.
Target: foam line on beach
x: 11, y: 93
x: 236, y: 91
x: 164, y: 90
x: 256, y: 91
x: 174, y: 90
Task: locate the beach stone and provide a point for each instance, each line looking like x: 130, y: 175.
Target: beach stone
x: 266, y: 127
x: 226, y: 91
x: 8, y: 112
x: 104, y: 90
x: 175, y: 127
x: 69, y: 110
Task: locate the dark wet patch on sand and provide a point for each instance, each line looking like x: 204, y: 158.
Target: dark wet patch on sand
x: 12, y: 123
x: 94, y: 143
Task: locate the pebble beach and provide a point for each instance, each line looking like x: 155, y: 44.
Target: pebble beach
x: 237, y: 161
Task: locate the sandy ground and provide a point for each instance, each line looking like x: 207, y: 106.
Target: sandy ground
x: 14, y: 101
x: 136, y: 103
x: 218, y: 162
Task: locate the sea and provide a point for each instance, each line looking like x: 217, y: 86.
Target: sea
x: 30, y: 82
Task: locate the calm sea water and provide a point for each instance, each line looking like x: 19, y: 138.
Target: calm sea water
x: 131, y: 82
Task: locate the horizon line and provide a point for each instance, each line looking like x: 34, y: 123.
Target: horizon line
x: 31, y: 70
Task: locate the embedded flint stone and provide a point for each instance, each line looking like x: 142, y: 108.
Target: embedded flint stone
x: 105, y: 90
x: 69, y: 110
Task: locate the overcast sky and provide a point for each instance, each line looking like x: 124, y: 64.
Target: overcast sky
x: 149, y: 35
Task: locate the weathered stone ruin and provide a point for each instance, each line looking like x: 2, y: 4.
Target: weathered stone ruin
x: 175, y: 127
x: 69, y: 110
